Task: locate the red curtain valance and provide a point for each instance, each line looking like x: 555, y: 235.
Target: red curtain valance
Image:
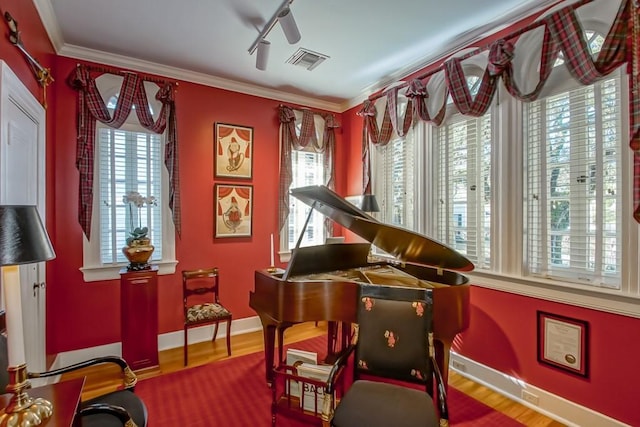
x: 91, y: 107
x: 564, y: 34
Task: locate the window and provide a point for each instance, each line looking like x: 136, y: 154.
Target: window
x: 127, y: 159
x: 463, y: 192
x: 538, y: 195
x: 393, y: 172
x: 308, y: 168
x: 574, y: 193
x: 393, y: 166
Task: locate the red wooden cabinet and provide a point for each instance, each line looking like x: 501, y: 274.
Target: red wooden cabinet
x: 139, y: 317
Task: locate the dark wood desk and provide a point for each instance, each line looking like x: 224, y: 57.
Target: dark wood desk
x: 65, y: 397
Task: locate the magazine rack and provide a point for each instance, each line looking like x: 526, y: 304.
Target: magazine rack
x: 317, y: 398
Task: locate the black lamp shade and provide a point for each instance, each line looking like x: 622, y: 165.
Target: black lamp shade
x: 23, y: 238
x: 369, y: 203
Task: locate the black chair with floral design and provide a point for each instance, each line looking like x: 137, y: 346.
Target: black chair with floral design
x: 393, y: 341
x: 201, y: 300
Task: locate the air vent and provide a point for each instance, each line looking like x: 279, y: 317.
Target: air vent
x: 306, y: 58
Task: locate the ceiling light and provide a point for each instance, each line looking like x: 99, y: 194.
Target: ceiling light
x: 284, y: 16
x: 262, y: 55
x: 289, y: 27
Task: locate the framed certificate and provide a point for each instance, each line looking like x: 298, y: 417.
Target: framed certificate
x: 563, y: 343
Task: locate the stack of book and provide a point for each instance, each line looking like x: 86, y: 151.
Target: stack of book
x: 295, y: 358
x: 305, y: 364
x: 313, y: 395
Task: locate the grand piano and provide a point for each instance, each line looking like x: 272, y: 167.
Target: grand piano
x: 321, y: 283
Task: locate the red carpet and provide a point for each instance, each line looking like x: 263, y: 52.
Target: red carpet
x: 233, y: 393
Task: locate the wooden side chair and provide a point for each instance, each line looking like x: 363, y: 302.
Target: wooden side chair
x: 201, y: 300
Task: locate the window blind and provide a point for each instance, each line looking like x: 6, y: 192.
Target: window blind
x: 394, y: 181
x: 573, y: 187
x: 128, y: 161
x: 307, y: 169
x: 463, y: 208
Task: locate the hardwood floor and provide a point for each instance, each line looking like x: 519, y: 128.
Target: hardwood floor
x: 101, y: 379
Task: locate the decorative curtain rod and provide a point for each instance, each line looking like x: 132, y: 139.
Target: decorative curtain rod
x: 122, y: 73
x: 313, y: 110
x: 487, y: 47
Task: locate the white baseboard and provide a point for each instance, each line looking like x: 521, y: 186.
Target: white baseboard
x: 551, y: 405
x: 165, y: 341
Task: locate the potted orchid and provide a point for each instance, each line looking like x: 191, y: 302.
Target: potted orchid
x: 134, y: 199
x: 139, y: 248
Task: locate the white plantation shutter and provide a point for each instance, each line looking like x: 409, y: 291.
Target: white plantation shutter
x: 128, y: 161
x: 307, y: 169
x: 463, y: 205
x: 394, y: 181
x: 573, y: 186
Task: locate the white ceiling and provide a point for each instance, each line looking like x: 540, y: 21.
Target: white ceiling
x: 370, y: 43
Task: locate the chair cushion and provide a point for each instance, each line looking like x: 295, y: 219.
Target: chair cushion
x: 376, y: 404
x: 208, y: 311
x: 124, y: 398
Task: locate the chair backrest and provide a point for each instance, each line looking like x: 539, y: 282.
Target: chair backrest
x: 393, y: 333
x: 200, y: 286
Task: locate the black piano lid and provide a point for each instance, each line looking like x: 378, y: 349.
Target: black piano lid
x: 405, y: 245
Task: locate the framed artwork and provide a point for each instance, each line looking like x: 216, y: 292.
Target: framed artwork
x: 233, y: 151
x: 233, y: 210
x: 563, y: 343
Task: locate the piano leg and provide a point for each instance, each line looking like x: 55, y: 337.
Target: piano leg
x: 269, y: 333
x: 443, y: 350
x: 332, y: 337
x: 281, y: 328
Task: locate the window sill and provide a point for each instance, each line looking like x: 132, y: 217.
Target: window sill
x: 606, y: 300
x: 601, y: 299
x: 112, y: 272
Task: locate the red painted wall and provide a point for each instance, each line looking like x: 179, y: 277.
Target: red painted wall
x: 34, y: 38
x: 502, y: 334
x: 72, y: 303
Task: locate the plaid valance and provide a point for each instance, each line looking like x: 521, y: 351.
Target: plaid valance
x: 306, y: 140
x: 564, y: 34
x: 91, y: 107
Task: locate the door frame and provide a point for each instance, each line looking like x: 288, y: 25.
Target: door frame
x: 12, y: 90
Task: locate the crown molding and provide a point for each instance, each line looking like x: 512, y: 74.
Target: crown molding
x: 129, y: 63
x: 461, y: 41
x: 50, y: 23
x: 467, y: 39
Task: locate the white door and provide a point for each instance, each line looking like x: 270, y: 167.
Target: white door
x: 22, y: 182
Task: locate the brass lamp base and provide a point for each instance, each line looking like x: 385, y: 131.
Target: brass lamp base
x: 23, y: 410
